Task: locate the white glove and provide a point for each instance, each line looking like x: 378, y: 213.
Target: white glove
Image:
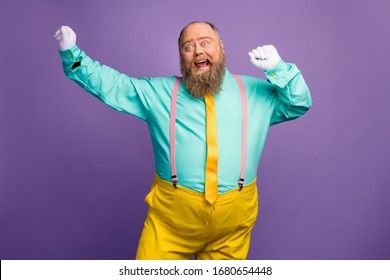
x: 66, y: 38
x: 265, y: 57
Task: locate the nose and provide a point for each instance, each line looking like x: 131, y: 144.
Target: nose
x: 198, y: 50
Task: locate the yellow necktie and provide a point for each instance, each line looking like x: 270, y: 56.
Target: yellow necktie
x: 211, y: 175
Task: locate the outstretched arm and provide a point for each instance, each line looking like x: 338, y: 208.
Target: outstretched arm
x: 115, y: 89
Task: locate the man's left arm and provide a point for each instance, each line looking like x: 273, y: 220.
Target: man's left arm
x: 292, y: 94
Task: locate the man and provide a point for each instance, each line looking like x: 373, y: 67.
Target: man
x: 208, y: 130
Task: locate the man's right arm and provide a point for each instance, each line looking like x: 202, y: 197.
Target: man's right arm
x: 115, y: 89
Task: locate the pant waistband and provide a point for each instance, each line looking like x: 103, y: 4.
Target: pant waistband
x: 167, y: 186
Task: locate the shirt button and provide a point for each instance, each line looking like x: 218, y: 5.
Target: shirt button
x: 273, y: 75
x: 69, y: 55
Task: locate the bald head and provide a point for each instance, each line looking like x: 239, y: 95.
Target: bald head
x: 199, y: 23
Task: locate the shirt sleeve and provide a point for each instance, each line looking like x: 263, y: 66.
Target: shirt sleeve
x: 292, y: 98
x: 117, y: 90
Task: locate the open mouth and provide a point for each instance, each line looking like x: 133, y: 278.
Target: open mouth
x: 200, y: 64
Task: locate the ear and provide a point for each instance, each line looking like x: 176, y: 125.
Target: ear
x: 222, y: 48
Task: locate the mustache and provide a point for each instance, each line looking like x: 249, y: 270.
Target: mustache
x: 199, y: 58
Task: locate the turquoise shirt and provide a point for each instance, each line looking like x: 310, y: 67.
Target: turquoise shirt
x: 283, y: 97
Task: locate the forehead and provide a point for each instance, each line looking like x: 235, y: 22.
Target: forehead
x: 197, y: 30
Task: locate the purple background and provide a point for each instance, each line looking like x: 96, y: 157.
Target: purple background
x: 74, y: 173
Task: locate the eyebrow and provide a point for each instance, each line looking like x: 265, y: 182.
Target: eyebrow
x: 200, y: 38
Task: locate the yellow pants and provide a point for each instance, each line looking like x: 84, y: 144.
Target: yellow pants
x: 181, y: 223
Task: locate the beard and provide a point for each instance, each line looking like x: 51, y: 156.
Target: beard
x: 198, y: 84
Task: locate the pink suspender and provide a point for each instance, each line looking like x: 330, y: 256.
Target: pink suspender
x: 244, y: 130
x: 172, y: 130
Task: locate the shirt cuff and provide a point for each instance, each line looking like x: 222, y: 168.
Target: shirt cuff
x: 278, y: 73
x: 71, y: 55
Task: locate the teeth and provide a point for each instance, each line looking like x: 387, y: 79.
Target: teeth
x: 201, y: 61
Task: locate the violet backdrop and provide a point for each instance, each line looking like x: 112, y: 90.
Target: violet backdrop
x: 74, y: 173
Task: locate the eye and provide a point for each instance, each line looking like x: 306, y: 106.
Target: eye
x: 204, y: 43
x: 188, y: 47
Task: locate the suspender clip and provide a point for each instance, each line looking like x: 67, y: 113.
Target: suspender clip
x: 240, y: 184
x: 174, y: 181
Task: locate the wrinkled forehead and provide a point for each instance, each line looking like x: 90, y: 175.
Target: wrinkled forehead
x: 197, y: 30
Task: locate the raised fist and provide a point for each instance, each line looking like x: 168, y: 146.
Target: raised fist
x: 66, y: 38
x: 265, y: 57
